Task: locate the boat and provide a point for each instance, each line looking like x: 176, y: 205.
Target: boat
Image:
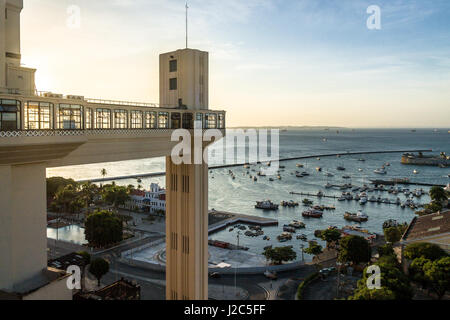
x: 319, y: 169
x: 328, y: 186
x: 363, y: 201
x: 285, y: 236
x: 356, y: 217
x: 299, y: 165
x: 279, y: 177
x: 380, y: 171
x: 266, y: 205
x: 312, y: 214
x: 373, y: 199
x: 287, y: 228
x: 271, y: 179
x: 302, y: 237
x: 297, y: 224
x: 361, y: 159
x: 416, y: 171
x: 360, y: 170
x: 302, y: 174
x: 341, y: 198
x: 328, y: 174
x: 255, y: 179
x: 346, y: 177
x: 340, y: 168
x: 320, y: 194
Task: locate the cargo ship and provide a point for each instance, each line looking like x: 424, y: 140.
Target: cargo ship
x: 441, y: 160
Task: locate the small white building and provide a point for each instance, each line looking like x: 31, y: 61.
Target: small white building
x: 153, y: 200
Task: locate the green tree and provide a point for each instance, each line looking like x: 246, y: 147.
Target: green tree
x: 394, y: 283
x: 115, y: 195
x: 432, y: 207
x: 314, y: 248
x: 438, y: 275
x: 87, y: 193
x: 423, y: 249
x: 394, y: 234
x: 331, y: 235
x: 354, y: 249
x: 67, y: 199
x: 364, y: 293
x: 103, y: 228
x: 280, y: 254
x: 438, y: 194
x: 416, y: 271
x: 56, y: 183
x: 386, y: 250
x: 99, y: 267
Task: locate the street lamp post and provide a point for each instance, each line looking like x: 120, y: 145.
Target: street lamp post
x: 235, y: 267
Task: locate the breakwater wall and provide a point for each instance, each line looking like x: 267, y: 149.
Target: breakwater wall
x: 160, y: 174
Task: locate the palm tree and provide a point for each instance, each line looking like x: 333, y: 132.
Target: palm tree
x: 103, y: 172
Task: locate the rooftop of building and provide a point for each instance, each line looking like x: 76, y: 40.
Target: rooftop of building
x: 119, y: 290
x: 427, y: 226
x: 29, y: 286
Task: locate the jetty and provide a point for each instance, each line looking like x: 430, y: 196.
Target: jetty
x: 226, y: 219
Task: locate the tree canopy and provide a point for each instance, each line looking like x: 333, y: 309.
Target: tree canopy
x: 115, y: 195
x: 280, y: 254
x: 438, y: 275
x: 354, y: 249
x: 331, y: 235
x: 438, y: 194
x: 99, y: 267
x: 103, y: 228
x: 423, y: 249
x: 314, y: 248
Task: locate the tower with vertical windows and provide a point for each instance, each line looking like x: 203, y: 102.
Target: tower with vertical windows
x: 184, y: 85
x: 183, y: 79
x: 13, y: 76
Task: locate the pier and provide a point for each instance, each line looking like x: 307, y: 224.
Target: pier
x: 161, y: 174
x: 337, y: 197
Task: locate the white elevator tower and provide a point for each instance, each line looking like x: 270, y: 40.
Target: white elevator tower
x: 184, y: 85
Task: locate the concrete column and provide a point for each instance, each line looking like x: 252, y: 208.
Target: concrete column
x: 186, y: 231
x: 2, y: 45
x: 23, y: 238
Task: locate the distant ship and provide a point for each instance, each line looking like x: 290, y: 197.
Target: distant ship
x: 441, y: 160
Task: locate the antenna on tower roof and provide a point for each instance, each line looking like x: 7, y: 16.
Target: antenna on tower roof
x: 187, y: 7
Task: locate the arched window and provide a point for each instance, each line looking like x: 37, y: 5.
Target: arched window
x: 9, y: 115
x: 38, y: 115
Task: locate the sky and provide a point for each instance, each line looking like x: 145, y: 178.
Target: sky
x: 272, y: 62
